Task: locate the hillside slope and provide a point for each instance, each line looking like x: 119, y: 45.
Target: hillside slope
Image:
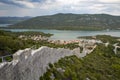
x: 71, y: 22
x: 12, y: 20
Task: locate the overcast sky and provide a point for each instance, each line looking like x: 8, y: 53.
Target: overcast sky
x: 48, y: 7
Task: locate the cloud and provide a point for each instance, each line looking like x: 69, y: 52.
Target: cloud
x: 20, y: 3
x: 63, y: 4
x: 110, y: 1
x: 97, y: 8
x: 46, y: 7
x: 83, y: 6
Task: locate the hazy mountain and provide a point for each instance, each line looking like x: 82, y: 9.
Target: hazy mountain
x: 72, y: 22
x: 12, y: 20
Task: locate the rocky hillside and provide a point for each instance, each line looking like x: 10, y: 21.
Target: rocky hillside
x: 71, y: 22
x: 30, y: 64
x: 101, y: 64
x: 97, y: 61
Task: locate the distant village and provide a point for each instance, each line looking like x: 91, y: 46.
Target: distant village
x: 87, y: 44
x: 35, y: 37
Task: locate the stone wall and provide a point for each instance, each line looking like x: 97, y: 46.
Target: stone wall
x: 30, y: 64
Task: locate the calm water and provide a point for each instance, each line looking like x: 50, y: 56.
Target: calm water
x: 69, y: 35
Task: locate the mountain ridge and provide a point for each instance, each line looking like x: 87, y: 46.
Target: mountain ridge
x: 71, y: 22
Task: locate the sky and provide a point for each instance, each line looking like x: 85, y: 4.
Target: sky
x: 48, y: 7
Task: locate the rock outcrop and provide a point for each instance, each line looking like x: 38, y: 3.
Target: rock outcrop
x: 30, y: 64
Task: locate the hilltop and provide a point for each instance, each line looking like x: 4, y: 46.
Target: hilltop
x: 71, y: 22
